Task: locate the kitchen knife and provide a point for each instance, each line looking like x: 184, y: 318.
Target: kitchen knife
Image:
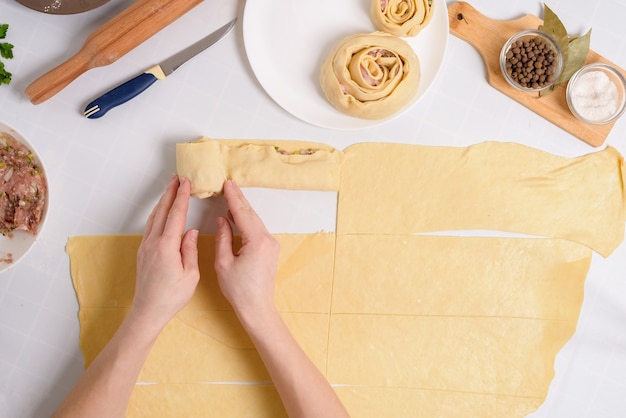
x: 131, y: 88
x: 109, y: 42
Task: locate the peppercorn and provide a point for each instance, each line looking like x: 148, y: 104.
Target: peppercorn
x: 531, y: 62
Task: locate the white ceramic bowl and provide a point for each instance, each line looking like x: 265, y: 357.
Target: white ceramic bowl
x: 16, y: 247
x: 589, y: 101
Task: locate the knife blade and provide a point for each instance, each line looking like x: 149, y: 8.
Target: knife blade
x: 133, y: 87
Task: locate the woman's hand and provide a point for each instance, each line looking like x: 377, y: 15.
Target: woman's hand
x: 247, y: 280
x: 247, y: 277
x: 167, y: 260
x: 167, y: 275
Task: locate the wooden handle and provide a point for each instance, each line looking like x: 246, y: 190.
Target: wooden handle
x: 488, y: 36
x: 109, y: 42
x: 57, y: 79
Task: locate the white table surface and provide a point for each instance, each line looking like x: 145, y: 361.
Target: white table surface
x: 105, y: 175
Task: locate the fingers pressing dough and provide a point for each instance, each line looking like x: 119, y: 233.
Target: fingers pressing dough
x: 370, y: 76
x: 401, y: 17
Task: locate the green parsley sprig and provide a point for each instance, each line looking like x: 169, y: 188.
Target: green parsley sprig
x: 6, y: 52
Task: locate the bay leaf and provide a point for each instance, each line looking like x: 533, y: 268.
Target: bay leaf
x: 574, y: 49
x: 577, y: 51
x: 553, y: 25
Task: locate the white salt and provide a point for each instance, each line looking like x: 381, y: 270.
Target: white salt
x: 594, y: 96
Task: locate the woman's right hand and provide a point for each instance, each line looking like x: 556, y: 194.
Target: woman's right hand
x: 246, y: 277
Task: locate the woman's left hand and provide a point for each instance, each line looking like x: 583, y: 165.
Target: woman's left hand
x: 167, y: 260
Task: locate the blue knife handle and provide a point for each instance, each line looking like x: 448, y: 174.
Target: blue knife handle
x: 120, y: 94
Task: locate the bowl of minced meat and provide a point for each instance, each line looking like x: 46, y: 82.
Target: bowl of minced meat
x: 23, y: 196
x: 596, y: 94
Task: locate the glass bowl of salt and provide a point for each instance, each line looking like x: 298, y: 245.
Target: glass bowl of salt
x: 596, y: 94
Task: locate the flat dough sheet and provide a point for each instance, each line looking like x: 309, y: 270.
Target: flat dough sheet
x: 489, y: 346
x: 488, y: 186
x: 403, y: 325
x: 389, y: 188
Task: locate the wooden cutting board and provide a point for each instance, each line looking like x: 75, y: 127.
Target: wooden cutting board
x: 489, y: 35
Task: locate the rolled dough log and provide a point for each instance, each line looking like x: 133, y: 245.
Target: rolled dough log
x: 274, y: 164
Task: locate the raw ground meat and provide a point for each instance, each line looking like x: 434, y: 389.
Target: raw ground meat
x: 22, y: 187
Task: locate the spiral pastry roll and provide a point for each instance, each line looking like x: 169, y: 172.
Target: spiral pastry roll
x: 370, y: 76
x: 401, y: 17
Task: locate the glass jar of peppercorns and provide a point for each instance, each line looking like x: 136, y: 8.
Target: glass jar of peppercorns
x: 531, y: 60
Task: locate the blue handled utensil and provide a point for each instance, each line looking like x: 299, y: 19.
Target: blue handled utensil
x: 126, y: 91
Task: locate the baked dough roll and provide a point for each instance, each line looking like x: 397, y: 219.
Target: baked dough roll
x: 401, y: 17
x: 291, y: 165
x: 370, y: 76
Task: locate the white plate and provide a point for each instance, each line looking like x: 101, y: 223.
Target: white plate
x: 287, y: 41
x: 22, y: 241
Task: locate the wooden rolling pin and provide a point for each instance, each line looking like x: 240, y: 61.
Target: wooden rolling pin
x: 111, y: 41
